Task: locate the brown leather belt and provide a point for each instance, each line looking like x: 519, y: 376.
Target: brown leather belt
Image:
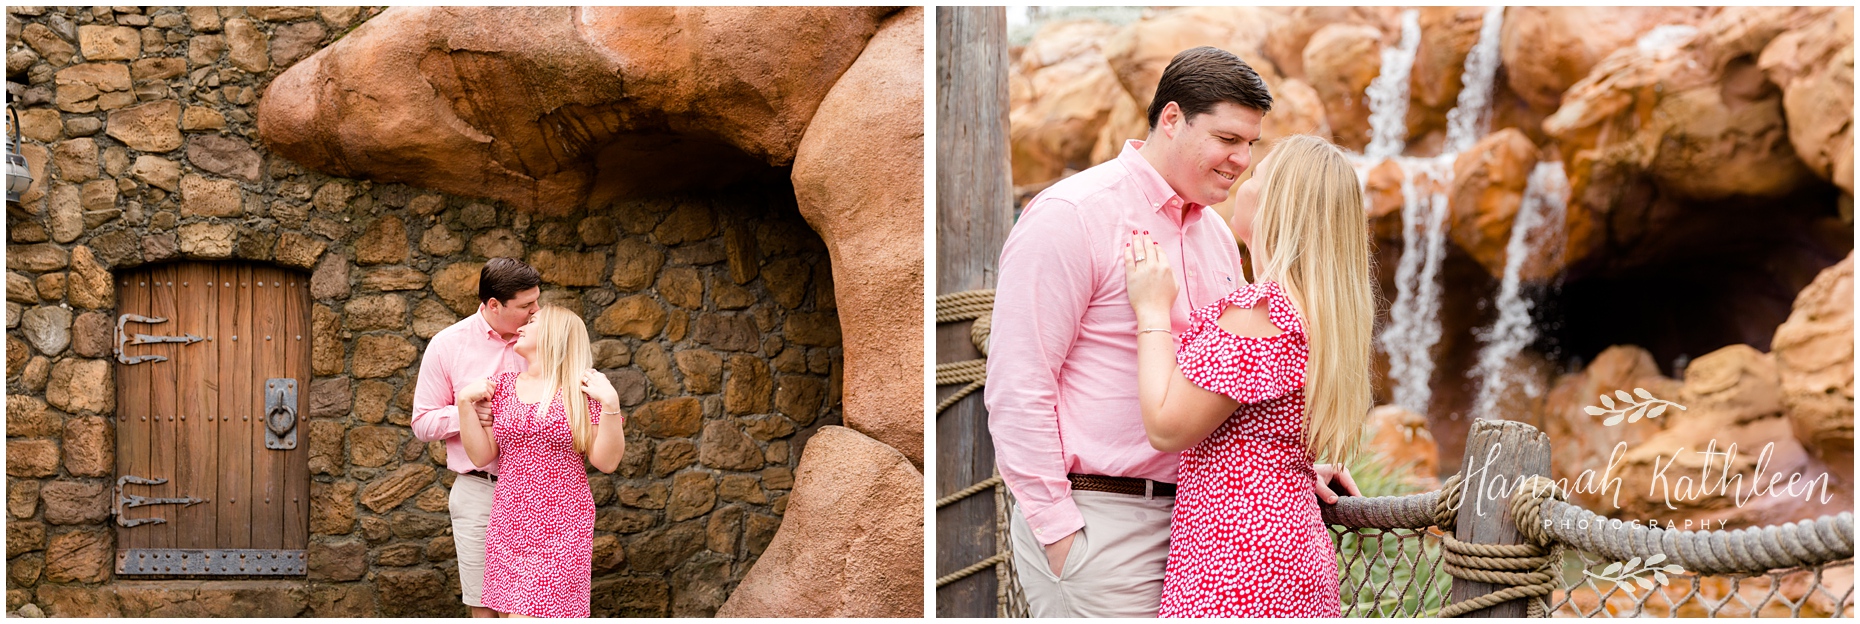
x: 1120, y: 485
x: 482, y: 475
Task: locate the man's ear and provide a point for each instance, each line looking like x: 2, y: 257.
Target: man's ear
x: 1169, y: 121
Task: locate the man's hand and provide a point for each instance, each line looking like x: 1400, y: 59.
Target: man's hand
x: 1056, y: 553
x: 1321, y: 484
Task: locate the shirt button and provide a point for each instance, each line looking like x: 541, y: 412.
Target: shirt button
x: 1039, y: 531
x: 1191, y: 273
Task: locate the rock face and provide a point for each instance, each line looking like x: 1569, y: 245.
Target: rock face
x: 1546, y: 50
x: 878, y: 260
x: 1488, y: 188
x: 1340, y: 61
x: 1582, y: 444
x: 1685, y: 113
x: 1729, y: 456
x: 734, y: 272
x: 632, y: 99
x: 1814, y: 353
x: 832, y: 555
x: 1058, y: 100
x: 1401, y: 437
x: 1814, y: 66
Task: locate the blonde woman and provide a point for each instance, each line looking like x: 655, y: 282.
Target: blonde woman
x: 1266, y: 381
x: 539, y: 547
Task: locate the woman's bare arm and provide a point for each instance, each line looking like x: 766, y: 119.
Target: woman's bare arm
x: 609, y: 443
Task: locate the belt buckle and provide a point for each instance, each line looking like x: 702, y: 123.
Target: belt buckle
x: 1149, y: 489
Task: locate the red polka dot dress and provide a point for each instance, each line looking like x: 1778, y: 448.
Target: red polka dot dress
x: 1246, y: 539
x: 539, y: 547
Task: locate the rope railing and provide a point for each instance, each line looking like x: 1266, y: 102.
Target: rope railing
x: 1534, y: 570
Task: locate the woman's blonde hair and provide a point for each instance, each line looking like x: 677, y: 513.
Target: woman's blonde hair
x: 1309, y: 236
x: 563, y: 351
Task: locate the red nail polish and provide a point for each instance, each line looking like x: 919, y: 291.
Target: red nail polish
x: 1146, y: 232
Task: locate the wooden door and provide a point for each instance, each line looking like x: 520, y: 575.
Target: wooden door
x: 213, y: 373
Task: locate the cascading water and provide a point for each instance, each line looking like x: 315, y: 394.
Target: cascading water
x: 1539, y: 224
x: 1469, y: 119
x: 1388, y: 93
x: 1414, y: 325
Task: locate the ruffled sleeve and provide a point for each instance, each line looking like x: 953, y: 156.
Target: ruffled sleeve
x: 1249, y: 370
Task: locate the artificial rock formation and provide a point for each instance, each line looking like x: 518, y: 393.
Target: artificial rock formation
x: 713, y: 95
x: 1712, y: 461
x: 1548, y: 49
x: 1058, y: 99
x: 855, y: 158
x: 1814, y: 353
x: 426, y: 96
x: 1401, y: 437
x: 1488, y: 189
x: 1581, y: 444
x: 1814, y: 66
x: 833, y: 557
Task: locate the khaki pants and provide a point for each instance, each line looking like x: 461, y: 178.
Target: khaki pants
x: 1115, y: 567
x: 470, y: 506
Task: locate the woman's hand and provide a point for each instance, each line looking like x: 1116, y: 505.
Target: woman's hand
x: 1150, y: 283
x: 596, y: 385
x: 474, y: 392
x: 1324, y: 473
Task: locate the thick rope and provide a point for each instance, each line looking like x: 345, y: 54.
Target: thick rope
x: 978, y: 305
x: 1526, y: 571
x: 965, y: 305
x: 984, y: 564
x: 968, y: 491
x: 1751, y: 550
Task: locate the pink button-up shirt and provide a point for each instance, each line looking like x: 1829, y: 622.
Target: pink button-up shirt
x: 1062, y: 358
x: 467, y: 351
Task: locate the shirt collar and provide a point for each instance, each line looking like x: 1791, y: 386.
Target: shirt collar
x: 485, y: 326
x: 1155, y: 189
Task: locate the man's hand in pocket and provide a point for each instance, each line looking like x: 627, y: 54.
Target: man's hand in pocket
x: 1056, y: 553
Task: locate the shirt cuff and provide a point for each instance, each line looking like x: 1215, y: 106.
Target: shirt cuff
x: 1055, y: 522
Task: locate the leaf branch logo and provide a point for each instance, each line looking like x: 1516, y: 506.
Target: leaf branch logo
x: 1630, y: 409
x: 1637, y: 572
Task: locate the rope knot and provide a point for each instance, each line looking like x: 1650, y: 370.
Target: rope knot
x: 1527, y: 570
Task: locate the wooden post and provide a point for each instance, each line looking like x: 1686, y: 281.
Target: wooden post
x: 974, y: 208
x: 1499, y: 454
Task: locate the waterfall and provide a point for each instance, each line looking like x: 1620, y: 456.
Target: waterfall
x: 1538, y: 224
x: 1470, y: 116
x: 1388, y: 93
x: 1414, y: 326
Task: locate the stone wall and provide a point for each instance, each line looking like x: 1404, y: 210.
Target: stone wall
x: 713, y: 314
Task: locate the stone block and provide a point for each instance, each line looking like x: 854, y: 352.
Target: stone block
x: 724, y: 447
x: 89, y: 447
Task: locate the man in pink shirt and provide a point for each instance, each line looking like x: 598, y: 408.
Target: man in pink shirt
x: 1091, y: 524
x: 477, y: 347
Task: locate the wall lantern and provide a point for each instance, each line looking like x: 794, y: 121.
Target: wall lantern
x: 18, y: 175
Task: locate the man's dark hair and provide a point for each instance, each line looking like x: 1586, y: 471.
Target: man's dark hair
x: 503, y: 278
x: 1199, y: 78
